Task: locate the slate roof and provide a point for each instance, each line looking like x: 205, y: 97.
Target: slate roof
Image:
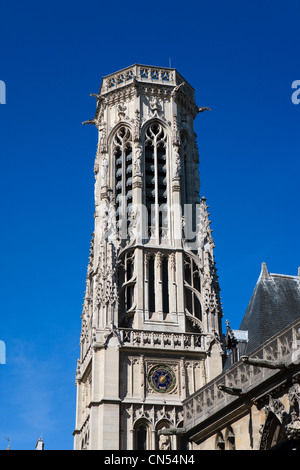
x: 275, y: 303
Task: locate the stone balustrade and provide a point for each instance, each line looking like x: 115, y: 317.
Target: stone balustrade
x: 162, y: 340
x: 143, y: 73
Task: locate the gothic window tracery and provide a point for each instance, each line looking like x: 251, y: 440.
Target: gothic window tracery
x: 157, y: 268
x: 192, y: 287
x: 122, y: 151
x: 156, y: 179
x: 227, y: 442
x: 126, y: 282
x: 273, y: 432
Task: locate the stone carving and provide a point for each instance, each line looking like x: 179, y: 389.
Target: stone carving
x: 137, y: 164
x: 177, y: 88
x: 133, y: 225
x: 176, y: 163
x: 155, y: 106
x: 103, y: 139
x: 176, y: 137
x: 137, y: 126
x: 107, y: 292
x: 121, y: 111
x: 164, y: 442
x: 112, y: 332
x: 104, y: 171
x: 200, y: 110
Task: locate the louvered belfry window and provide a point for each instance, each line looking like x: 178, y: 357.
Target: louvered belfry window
x: 156, y: 180
x: 122, y: 149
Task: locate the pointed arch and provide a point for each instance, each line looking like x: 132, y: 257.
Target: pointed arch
x: 142, y: 434
x: 126, y: 286
x: 121, y: 147
x: 185, y: 151
x: 273, y: 432
x: 155, y: 141
x: 164, y: 442
x: 192, y: 290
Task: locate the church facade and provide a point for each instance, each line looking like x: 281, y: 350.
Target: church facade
x: 151, y: 320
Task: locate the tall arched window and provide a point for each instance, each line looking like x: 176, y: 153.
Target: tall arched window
x: 186, y: 182
x: 165, y: 284
x: 188, y: 187
x: 229, y: 439
x: 126, y: 282
x: 141, y: 436
x: 220, y: 443
x: 192, y: 287
x: 156, y: 179
x: 151, y: 278
x: 122, y: 150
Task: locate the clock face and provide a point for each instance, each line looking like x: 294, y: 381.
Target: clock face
x: 162, y: 379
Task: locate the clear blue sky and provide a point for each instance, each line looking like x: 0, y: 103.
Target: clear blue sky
x: 241, y: 57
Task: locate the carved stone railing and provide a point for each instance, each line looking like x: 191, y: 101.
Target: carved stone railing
x: 242, y: 378
x: 143, y: 73
x: 163, y: 340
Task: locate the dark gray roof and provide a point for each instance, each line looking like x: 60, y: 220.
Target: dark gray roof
x: 275, y: 303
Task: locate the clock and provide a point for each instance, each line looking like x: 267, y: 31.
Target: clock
x: 162, y: 379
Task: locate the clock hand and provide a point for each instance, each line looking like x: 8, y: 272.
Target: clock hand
x: 163, y: 378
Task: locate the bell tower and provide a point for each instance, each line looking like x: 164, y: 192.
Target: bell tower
x: 151, y: 320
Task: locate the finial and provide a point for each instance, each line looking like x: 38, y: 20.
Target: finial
x: 264, y: 271
x: 40, y: 444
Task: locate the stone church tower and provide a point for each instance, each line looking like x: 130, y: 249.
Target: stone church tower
x: 151, y: 321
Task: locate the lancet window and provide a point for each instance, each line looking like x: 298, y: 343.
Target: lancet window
x: 159, y: 274
x: 122, y: 150
x: 156, y: 179
x: 192, y: 287
x: 126, y: 282
x: 227, y: 443
x: 186, y: 180
x: 142, y: 436
x: 188, y: 187
x: 151, y: 278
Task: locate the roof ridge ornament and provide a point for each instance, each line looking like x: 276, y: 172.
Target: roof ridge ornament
x: 264, y: 271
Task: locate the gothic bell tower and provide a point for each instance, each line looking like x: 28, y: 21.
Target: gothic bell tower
x: 151, y: 321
